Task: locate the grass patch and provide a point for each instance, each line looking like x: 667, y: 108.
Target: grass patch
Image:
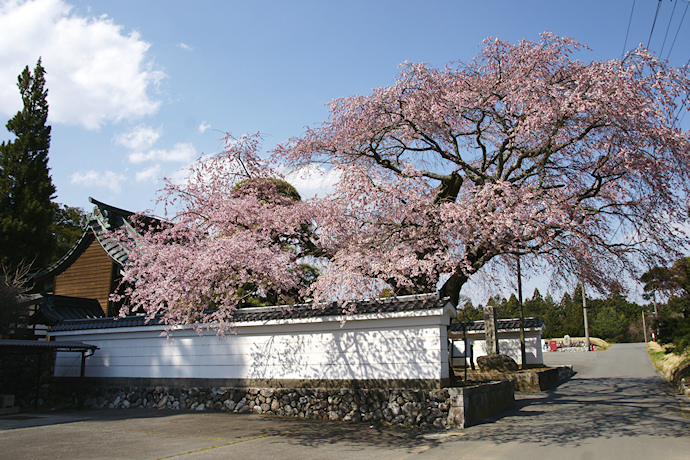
x: 599, y: 343
x: 671, y: 365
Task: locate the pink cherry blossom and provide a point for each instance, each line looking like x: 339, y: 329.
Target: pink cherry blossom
x: 523, y: 150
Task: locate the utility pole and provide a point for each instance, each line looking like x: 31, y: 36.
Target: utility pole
x: 655, y: 333
x: 523, y: 352
x: 644, y: 327
x: 584, y: 312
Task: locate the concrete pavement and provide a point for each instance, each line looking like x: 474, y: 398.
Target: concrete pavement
x: 149, y: 434
x: 615, y: 407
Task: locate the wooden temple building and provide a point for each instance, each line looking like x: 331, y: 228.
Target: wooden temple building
x: 79, y: 285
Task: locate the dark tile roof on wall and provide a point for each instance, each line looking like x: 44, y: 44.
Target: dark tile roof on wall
x: 533, y: 322
x: 252, y: 314
x: 56, y: 308
x: 45, y: 345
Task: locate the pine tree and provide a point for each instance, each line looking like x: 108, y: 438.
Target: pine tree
x: 26, y: 189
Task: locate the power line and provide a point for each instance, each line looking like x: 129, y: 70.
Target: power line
x: 678, y: 30
x: 625, y: 44
x: 656, y: 14
x: 668, y: 26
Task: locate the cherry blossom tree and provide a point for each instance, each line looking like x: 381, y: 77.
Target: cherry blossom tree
x: 522, y: 151
x: 234, y: 241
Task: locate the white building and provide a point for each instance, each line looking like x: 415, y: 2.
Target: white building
x: 508, y: 331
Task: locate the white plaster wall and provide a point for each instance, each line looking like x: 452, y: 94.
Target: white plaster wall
x: 508, y: 343
x: 391, y: 346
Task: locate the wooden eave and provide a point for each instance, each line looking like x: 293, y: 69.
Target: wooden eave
x: 104, y: 218
x: 68, y: 259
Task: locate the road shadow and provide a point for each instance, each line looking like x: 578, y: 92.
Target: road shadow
x: 229, y: 427
x: 580, y: 410
x: 587, y: 408
x: 37, y: 418
x: 353, y: 437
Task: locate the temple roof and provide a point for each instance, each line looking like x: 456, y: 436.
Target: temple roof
x: 503, y: 325
x: 56, y: 308
x: 45, y: 345
x: 103, y: 219
x: 106, y: 218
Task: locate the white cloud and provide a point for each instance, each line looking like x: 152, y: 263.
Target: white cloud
x: 185, y: 47
x: 203, y: 126
x: 139, y: 139
x: 104, y: 179
x: 182, y: 152
x: 313, y: 180
x: 95, y: 72
x: 180, y: 176
x: 150, y: 174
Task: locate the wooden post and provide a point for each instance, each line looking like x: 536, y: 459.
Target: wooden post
x: 523, y: 351
x: 584, y: 312
x: 38, y: 378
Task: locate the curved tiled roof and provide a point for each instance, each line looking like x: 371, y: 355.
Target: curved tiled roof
x: 56, y: 308
x: 103, y: 219
x: 533, y: 322
x: 106, y: 218
x: 252, y: 314
x: 43, y: 344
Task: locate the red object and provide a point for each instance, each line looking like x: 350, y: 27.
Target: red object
x: 553, y: 346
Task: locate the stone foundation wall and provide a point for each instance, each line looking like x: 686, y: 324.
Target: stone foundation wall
x: 470, y: 405
x: 443, y: 408
x: 528, y: 380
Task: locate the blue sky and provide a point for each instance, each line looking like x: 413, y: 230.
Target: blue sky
x: 139, y: 89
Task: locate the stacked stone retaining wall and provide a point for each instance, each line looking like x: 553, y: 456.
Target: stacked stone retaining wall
x: 441, y: 408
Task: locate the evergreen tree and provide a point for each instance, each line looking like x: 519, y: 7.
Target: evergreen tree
x: 536, y: 306
x: 66, y: 229
x: 467, y: 311
x: 553, y: 317
x: 26, y: 189
x: 673, y: 322
x: 616, y: 319
x: 509, y: 309
x: 610, y: 324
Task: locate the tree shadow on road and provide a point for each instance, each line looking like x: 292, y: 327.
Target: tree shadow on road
x: 579, y: 411
x: 589, y: 408
x: 354, y: 437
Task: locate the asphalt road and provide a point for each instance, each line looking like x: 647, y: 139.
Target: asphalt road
x: 615, y: 407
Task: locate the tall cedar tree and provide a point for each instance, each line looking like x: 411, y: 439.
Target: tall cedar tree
x: 26, y: 188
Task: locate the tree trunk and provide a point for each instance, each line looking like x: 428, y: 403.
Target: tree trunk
x: 452, y: 287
